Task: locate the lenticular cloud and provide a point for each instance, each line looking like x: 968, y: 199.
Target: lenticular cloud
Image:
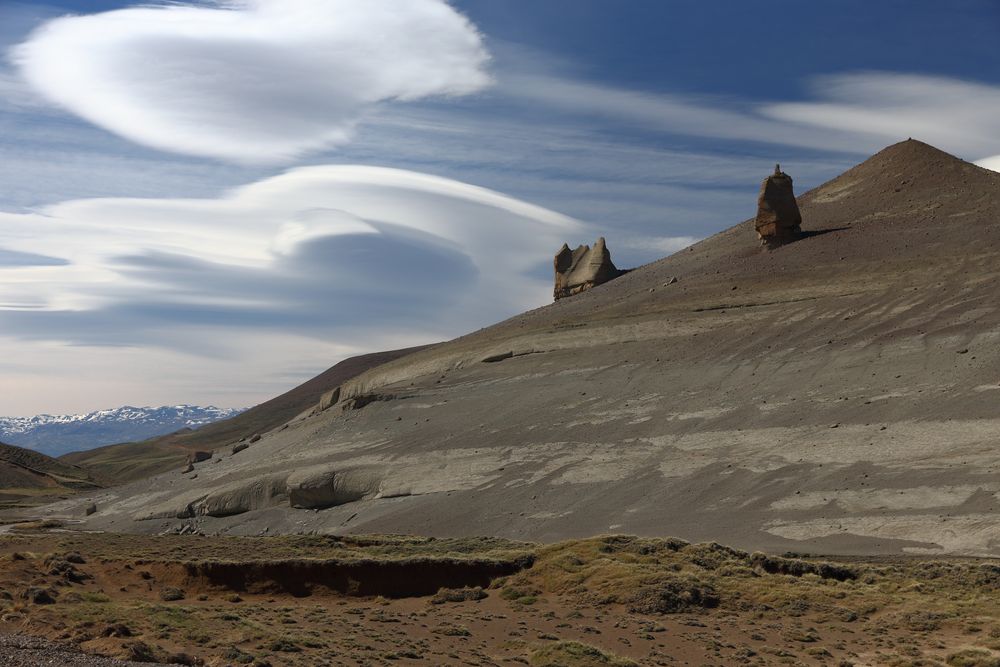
x: 254, y: 80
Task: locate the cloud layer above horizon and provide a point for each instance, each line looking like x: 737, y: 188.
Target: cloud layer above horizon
x: 328, y: 251
x: 253, y: 81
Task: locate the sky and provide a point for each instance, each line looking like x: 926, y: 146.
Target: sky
x: 211, y: 202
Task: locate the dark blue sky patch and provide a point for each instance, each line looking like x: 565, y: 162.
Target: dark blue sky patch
x: 15, y: 259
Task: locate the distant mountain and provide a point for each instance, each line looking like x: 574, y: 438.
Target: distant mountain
x: 59, y: 434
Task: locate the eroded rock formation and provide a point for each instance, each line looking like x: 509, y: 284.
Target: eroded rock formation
x: 778, y: 219
x: 583, y: 268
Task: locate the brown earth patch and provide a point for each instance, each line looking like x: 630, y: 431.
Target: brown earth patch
x: 619, y: 600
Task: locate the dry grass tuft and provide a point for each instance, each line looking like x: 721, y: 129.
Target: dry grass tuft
x: 575, y: 654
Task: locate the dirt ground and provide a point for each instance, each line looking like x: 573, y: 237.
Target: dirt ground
x: 300, y: 601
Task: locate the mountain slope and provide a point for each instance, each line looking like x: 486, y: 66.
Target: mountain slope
x: 120, y: 463
x: 837, y: 394
x: 58, y: 434
x: 30, y: 478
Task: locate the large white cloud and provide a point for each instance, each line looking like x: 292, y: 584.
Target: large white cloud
x: 349, y: 257
x: 335, y: 230
x: 325, y: 251
x: 251, y: 80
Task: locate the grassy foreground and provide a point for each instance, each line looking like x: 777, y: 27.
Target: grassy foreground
x: 313, y: 600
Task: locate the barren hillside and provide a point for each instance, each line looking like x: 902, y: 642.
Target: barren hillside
x: 837, y: 394
x: 30, y: 478
x: 116, y: 464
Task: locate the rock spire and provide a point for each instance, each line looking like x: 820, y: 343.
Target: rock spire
x: 581, y: 269
x: 778, y: 219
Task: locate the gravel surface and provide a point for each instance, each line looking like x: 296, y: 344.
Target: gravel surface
x: 20, y: 651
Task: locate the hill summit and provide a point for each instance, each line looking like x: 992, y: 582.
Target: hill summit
x: 837, y: 393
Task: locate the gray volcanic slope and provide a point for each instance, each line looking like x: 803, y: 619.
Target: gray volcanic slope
x: 839, y: 394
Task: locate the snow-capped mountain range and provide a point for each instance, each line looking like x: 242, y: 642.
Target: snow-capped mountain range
x: 60, y: 434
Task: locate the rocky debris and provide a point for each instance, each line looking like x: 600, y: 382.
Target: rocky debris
x: 180, y: 506
x: 60, y: 567
x: 90, y: 509
x: 189, y: 467
x: 20, y: 651
x: 778, y: 218
x: 581, y: 269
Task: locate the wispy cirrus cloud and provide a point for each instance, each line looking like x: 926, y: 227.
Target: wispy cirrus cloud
x: 251, y: 80
x: 853, y: 112
x: 953, y: 114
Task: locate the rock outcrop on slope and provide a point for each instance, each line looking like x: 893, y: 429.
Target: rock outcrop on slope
x: 702, y: 408
x: 582, y: 269
x: 778, y: 218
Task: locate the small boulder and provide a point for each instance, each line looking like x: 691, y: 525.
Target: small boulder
x: 254, y: 438
x: 37, y: 595
x: 198, y: 457
x: 239, y: 447
x: 171, y: 594
x: 582, y: 269
x: 140, y: 652
x: 116, y: 630
x: 90, y: 509
x: 778, y: 218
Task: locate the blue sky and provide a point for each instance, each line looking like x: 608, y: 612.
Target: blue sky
x: 743, y: 48
x: 216, y: 204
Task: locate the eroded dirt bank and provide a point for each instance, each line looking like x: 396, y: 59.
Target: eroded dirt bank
x: 616, y: 600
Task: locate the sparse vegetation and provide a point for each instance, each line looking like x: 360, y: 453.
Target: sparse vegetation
x: 575, y: 654
x: 600, y: 601
x: 973, y: 658
x: 464, y: 594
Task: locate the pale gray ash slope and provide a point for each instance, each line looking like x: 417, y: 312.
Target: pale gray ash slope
x: 837, y: 394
